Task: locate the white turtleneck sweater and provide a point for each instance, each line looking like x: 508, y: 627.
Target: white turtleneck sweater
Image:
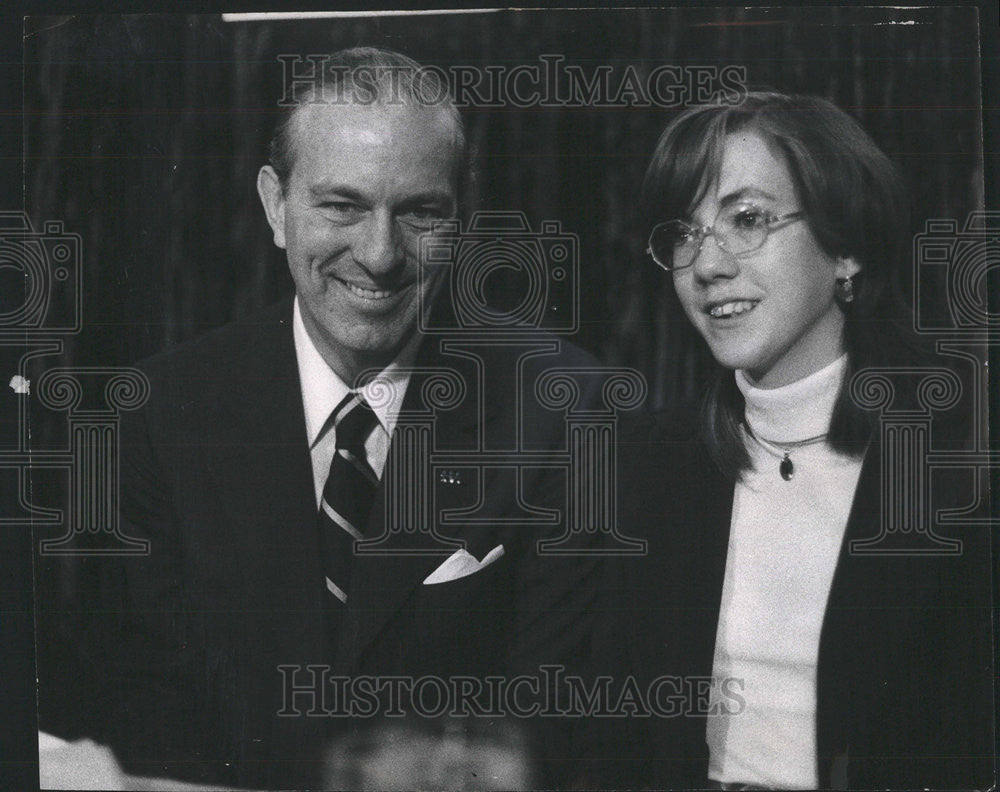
x: 784, y: 540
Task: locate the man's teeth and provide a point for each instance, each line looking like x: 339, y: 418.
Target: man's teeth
x: 732, y: 308
x: 370, y: 294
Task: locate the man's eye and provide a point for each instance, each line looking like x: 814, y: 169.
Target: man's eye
x: 344, y: 209
x: 421, y: 218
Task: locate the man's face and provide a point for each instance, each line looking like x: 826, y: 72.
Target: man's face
x: 367, y: 181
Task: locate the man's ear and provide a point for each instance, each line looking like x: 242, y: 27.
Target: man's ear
x: 273, y: 199
x: 847, y: 267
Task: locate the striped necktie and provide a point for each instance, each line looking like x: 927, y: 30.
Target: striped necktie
x: 348, y: 493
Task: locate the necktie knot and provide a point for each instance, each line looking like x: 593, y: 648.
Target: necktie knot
x: 353, y: 422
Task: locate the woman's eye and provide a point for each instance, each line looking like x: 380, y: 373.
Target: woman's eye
x: 680, y: 236
x: 749, y: 218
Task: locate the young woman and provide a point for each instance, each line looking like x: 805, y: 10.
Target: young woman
x: 801, y: 663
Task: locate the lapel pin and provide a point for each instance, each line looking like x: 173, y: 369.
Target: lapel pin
x: 450, y: 477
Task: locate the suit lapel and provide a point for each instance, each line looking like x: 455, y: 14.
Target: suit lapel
x: 711, y: 517
x: 265, y: 481
x: 715, y: 547
x: 383, y: 581
x: 857, y: 590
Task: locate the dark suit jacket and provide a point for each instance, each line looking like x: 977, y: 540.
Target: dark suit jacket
x: 905, y: 696
x: 215, y: 472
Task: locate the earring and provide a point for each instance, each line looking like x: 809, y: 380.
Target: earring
x: 845, y: 290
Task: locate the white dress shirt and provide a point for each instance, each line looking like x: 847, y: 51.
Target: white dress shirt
x: 323, y: 390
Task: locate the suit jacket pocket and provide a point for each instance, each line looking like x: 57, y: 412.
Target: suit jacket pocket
x: 463, y: 624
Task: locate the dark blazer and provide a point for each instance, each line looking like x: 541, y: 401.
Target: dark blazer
x: 905, y: 697
x: 216, y: 473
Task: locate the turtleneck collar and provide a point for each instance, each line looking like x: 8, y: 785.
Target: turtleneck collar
x: 797, y: 411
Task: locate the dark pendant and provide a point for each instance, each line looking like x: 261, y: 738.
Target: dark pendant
x: 786, y: 468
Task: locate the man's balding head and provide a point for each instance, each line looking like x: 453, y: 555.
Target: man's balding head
x: 368, y: 76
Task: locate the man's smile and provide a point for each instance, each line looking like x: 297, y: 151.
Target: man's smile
x: 370, y: 292
x: 370, y: 298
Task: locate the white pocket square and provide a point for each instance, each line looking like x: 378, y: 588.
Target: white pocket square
x: 461, y: 563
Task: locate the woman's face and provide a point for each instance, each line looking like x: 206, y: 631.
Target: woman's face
x: 770, y: 312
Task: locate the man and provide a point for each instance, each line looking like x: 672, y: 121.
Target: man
x: 213, y: 649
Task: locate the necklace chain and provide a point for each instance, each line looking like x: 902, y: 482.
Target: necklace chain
x: 783, y: 451
x: 785, y: 447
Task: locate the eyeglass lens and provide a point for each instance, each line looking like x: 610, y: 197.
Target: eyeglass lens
x: 738, y: 229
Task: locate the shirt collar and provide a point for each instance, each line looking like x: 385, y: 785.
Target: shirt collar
x: 323, y: 389
x: 796, y: 411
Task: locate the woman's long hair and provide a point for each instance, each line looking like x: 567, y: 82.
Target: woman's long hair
x: 855, y: 205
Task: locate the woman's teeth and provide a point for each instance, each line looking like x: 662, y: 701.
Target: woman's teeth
x: 732, y: 308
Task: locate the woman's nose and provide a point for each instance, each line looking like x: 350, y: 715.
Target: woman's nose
x: 713, y: 261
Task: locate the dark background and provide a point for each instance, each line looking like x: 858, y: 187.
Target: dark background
x: 144, y: 135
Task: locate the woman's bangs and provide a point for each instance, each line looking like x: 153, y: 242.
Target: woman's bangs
x: 685, y: 165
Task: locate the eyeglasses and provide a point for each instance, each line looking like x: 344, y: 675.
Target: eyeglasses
x: 738, y: 229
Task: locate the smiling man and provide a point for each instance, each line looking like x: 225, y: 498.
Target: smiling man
x: 364, y: 181
x: 261, y: 459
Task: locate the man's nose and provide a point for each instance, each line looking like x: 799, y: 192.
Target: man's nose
x: 714, y: 261
x: 378, y: 244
